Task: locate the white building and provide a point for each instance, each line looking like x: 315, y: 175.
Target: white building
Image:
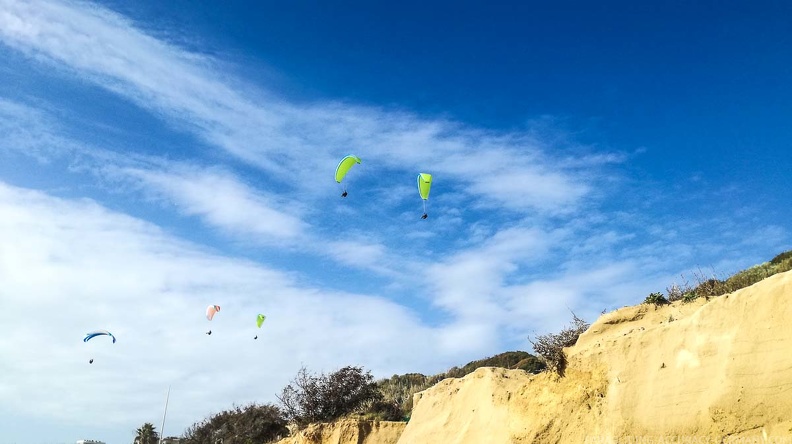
x: 89, y: 441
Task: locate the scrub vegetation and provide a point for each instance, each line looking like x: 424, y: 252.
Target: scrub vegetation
x: 711, y: 286
x: 252, y: 423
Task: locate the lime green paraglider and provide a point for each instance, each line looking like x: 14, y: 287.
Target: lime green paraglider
x: 343, y: 168
x: 259, y: 320
x: 424, y: 185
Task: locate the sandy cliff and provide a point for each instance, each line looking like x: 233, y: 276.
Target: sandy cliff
x: 348, y: 431
x: 705, y: 372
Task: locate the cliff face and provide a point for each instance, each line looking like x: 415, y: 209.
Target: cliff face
x: 348, y: 431
x: 704, y: 372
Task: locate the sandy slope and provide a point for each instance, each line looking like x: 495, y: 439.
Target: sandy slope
x: 706, y: 372
x: 348, y: 431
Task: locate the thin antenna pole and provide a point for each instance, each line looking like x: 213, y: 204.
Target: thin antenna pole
x: 162, y: 428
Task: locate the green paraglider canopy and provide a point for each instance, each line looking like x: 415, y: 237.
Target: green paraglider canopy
x: 344, y: 166
x: 260, y: 320
x: 424, y: 184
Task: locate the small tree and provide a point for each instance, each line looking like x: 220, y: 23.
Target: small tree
x: 316, y: 398
x: 146, y: 434
x: 550, y: 347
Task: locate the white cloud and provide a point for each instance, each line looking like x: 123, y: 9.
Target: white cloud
x: 469, y: 284
x: 290, y: 141
x: 71, y: 266
x: 28, y: 131
x: 357, y: 253
x: 223, y: 201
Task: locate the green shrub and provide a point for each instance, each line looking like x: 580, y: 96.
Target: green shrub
x: 503, y: 360
x: 398, y: 391
x: 656, y: 299
x: 531, y: 364
x: 781, y: 258
x: 712, y: 286
x: 689, y: 297
x: 250, y: 424
x: 750, y: 276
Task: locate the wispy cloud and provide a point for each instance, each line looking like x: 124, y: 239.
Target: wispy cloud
x: 506, y: 170
x: 29, y: 131
x: 225, y: 202
x: 473, y: 285
x: 217, y: 196
x: 357, y: 253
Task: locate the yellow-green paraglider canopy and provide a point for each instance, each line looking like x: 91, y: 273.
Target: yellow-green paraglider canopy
x: 424, y: 184
x: 259, y: 320
x: 343, y: 167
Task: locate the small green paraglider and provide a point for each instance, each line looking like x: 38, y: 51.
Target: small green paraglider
x: 259, y: 320
x: 424, y: 184
x: 343, y: 168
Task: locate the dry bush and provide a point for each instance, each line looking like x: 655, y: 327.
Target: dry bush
x: 550, y: 347
x: 677, y: 291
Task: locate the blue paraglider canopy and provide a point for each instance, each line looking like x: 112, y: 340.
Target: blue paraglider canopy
x: 96, y: 333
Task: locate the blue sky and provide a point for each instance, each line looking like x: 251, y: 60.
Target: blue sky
x: 158, y: 157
